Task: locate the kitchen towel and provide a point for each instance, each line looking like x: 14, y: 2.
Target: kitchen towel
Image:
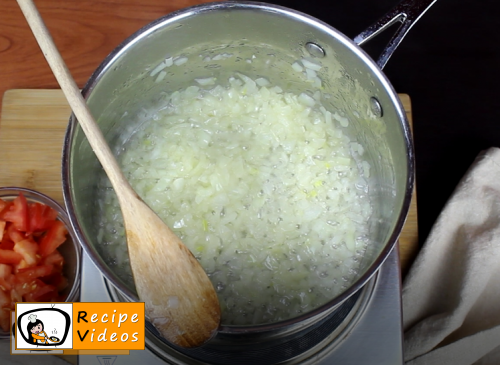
x: 451, y: 295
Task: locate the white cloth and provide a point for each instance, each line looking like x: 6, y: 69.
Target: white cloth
x: 451, y: 295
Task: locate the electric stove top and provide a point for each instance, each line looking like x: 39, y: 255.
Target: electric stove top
x: 369, y: 331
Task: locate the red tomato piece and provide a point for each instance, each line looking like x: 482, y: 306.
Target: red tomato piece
x: 22, y: 288
x: 2, y: 229
x: 55, y: 259
x: 14, y: 234
x: 4, y: 299
x: 30, y: 291
x: 59, y: 281
x: 5, y: 271
x: 5, y: 276
x: 5, y: 285
x: 31, y: 267
x: 41, y: 217
x: 55, y: 237
x: 3, y: 206
x: 6, y: 244
x: 10, y: 257
x: 5, y: 319
x: 31, y: 273
x: 15, y: 297
x: 5, y: 306
x: 18, y: 214
x: 29, y: 250
x: 41, y: 292
x: 21, y: 265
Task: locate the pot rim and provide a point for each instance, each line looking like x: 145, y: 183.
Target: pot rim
x: 300, y: 17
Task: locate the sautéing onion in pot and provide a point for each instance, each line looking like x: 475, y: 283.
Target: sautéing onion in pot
x: 262, y: 185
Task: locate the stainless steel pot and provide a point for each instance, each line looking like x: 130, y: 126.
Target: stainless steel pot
x: 122, y: 85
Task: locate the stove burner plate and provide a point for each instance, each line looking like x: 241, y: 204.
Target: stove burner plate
x: 370, y: 332
x: 300, y: 345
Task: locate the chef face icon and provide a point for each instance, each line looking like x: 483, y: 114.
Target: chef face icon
x: 38, y: 328
x: 35, y: 330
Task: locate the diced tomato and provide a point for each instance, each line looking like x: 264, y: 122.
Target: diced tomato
x: 15, y: 297
x: 59, y: 281
x: 17, y: 213
x: 5, y: 319
x: 55, y: 259
x: 10, y: 257
x: 31, y: 267
x: 23, y: 288
x: 29, y: 250
x: 31, y: 273
x: 5, y: 285
x: 5, y: 271
x: 4, y: 299
x: 5, y: 276
x: 43, y: 293
x: 55, y: 237
x: 41, y: 217
x: 14, y: 234
x: 22, y: 265
x: 2, y: 229
x: 4, y: 310
x: 4, y: 205
x: 6, y: 244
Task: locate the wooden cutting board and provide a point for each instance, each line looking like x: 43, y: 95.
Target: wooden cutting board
x: 32, y: 128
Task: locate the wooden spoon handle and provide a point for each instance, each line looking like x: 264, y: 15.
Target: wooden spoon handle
x: 152, y: 245
x: 73, y: 95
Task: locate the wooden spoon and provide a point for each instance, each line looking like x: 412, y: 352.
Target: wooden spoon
x: 179, y: 298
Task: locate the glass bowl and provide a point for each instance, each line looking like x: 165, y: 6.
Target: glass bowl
x: 70, y: 249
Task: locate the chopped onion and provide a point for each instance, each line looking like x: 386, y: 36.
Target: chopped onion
x: 306, y: 100
x: 261, y: 187
x: 221, y: 56
x: 297, y: 67
x: 310, y: 74
x: 166, y: 63
x: 262, y: 81
x: 206, y: 81
x: 344, y: 122
x: 311, y: 65
x: 180, y: 61
x: 161, y: 76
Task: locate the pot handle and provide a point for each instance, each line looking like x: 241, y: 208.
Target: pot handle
x: 407, y: 12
